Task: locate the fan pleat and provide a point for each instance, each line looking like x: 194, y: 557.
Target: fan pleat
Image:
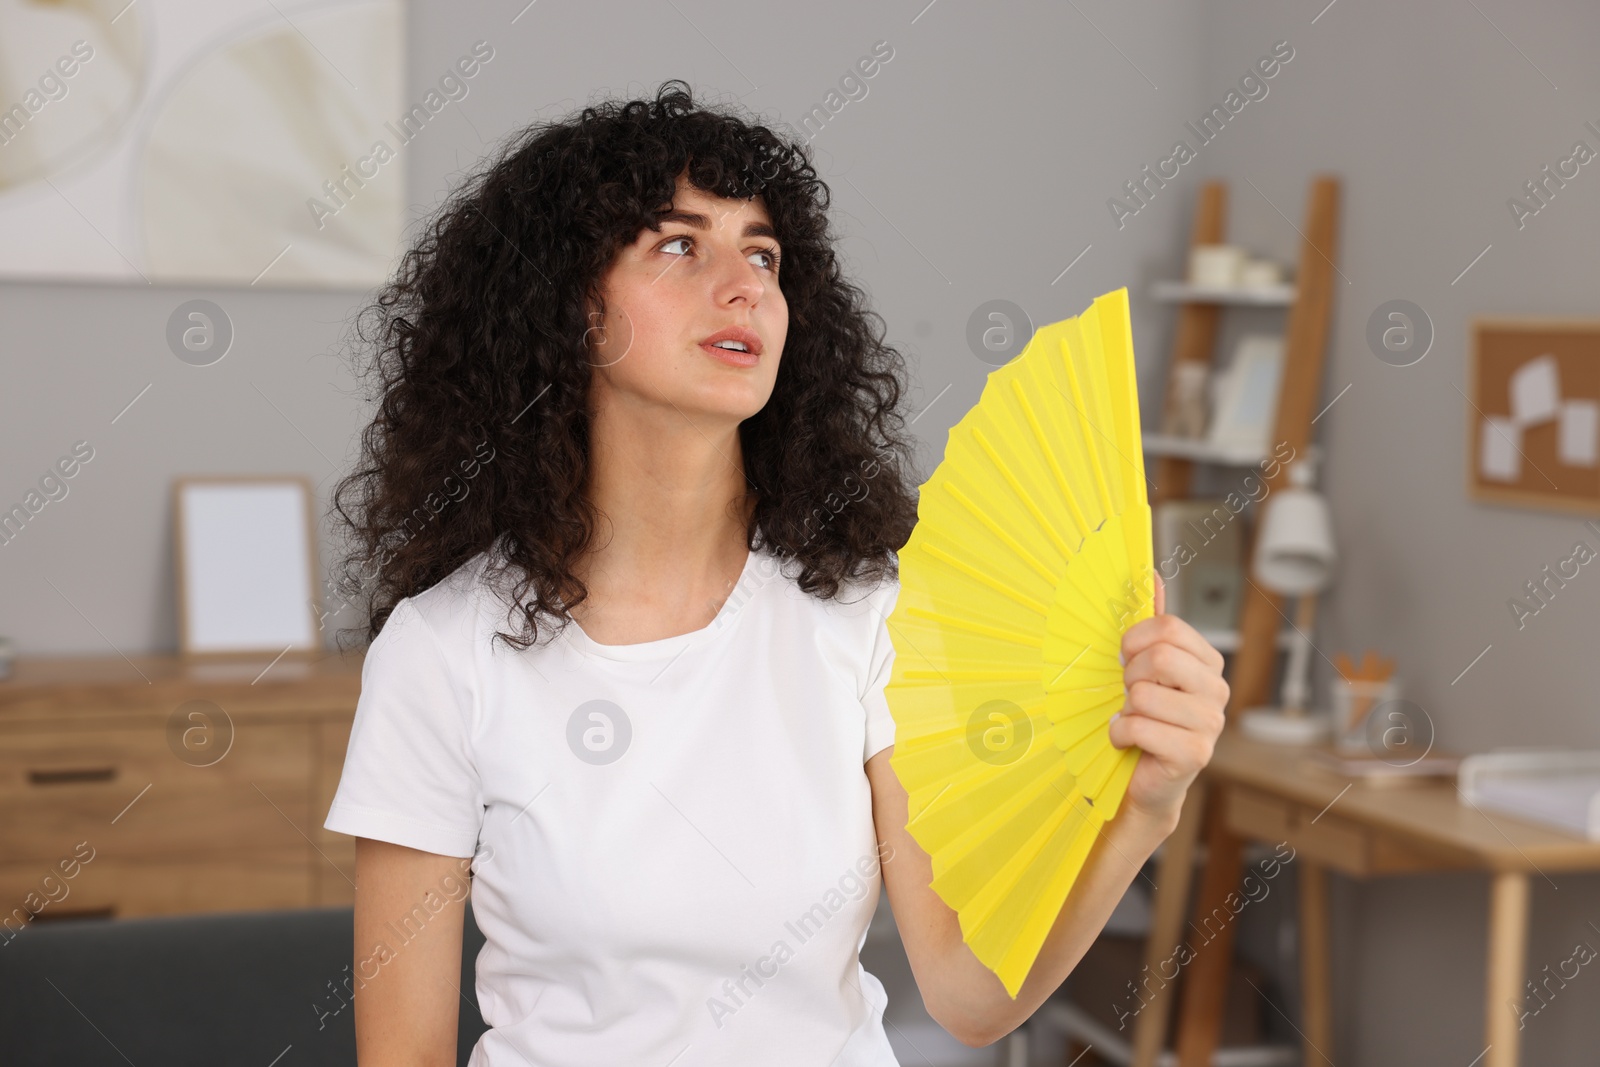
x: 1011, y: 928
x: 1042, y: 607
x: 1081, y: 524
x: 943, y: 622
x: 1046, y: 574
x: 980, y: 879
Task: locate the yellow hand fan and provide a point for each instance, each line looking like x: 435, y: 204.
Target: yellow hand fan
x: 1030, y: 557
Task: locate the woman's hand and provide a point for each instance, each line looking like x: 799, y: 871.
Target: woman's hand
x: 1176, y: 696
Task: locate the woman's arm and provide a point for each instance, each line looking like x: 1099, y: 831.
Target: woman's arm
x: 1174, y: 713
x: 962, y: 995
x: 408, y: 955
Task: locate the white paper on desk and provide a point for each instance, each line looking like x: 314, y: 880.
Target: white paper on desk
x: 1535, y: 390
x: 1564, y: 800
x: 1498, y: 457
x: 1579, y: 439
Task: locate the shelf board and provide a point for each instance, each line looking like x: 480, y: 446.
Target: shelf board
x: 1157, y: 444
x: 1228, y: 640
x: 1184, y: 293
x: 1203, y: 451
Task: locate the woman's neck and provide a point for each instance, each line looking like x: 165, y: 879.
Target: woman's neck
x: 673, y: 535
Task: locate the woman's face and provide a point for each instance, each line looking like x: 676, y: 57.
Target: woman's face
x: 711, y: 270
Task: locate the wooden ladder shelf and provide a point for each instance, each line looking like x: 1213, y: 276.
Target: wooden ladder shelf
x: 1261, y: 618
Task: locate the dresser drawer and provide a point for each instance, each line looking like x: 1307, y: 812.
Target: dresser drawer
x: 126, y: 887
x: 124, y: 791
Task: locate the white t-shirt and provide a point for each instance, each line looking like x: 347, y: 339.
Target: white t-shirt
x: 675, y: 860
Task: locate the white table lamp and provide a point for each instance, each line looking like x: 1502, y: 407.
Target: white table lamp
x: 1294, y: 557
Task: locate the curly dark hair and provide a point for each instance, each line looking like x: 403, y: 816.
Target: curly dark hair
x: 480, y: 349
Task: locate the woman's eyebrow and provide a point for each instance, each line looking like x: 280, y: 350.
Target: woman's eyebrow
x: 701, y: 222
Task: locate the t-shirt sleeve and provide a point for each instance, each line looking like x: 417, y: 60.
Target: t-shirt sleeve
x: 409, y: 775
x: 880, y: 724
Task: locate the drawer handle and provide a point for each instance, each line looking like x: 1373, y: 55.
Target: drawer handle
x: 109, y: 911
x: 67, y: 775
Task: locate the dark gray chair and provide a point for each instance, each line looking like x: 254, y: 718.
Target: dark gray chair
x: 210, y: 990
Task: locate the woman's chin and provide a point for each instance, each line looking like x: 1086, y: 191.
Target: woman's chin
x: 731, y: 401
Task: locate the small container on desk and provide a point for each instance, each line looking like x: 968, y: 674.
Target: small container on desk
x: 1355, y: 703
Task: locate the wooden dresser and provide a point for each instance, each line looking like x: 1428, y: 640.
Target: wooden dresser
x: 187, y: 786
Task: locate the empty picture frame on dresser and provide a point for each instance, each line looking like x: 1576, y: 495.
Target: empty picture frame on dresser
x: 246, y: 566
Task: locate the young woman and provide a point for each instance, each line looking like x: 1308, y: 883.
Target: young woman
x: 631, y: 411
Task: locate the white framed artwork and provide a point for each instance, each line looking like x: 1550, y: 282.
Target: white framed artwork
x: 192, y: 141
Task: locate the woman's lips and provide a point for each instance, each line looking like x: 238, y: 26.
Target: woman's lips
x: 730, y: 356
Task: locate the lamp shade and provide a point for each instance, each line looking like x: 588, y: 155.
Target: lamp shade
x: 1294, y: 552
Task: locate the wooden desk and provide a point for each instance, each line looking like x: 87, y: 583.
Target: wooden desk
x: 103, y: 752
x: 1264, y: 792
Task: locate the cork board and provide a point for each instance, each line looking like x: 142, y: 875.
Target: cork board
x: 1533, y: 436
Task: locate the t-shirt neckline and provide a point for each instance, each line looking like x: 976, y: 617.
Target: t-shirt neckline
x: 665, y: 647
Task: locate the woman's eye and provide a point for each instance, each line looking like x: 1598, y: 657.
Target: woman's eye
x: 772, y: 254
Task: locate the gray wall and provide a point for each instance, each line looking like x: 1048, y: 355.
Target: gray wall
x: 978, y: 167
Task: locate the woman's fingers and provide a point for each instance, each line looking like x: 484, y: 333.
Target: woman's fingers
x: 1174, y: 706
x: 1178, y: 747
x: 1171, y: 630
x: 1174, y: 666
x: 1174, y: 709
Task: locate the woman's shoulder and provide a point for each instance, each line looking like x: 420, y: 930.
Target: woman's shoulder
x: 877, y: 579
x: 455, y: 607
x: 866, y: 595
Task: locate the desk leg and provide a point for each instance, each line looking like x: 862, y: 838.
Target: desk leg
x: 1205, y: 981
x: 1316, y: 999
x: 1171, y: 900
x: 1508, y: 943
